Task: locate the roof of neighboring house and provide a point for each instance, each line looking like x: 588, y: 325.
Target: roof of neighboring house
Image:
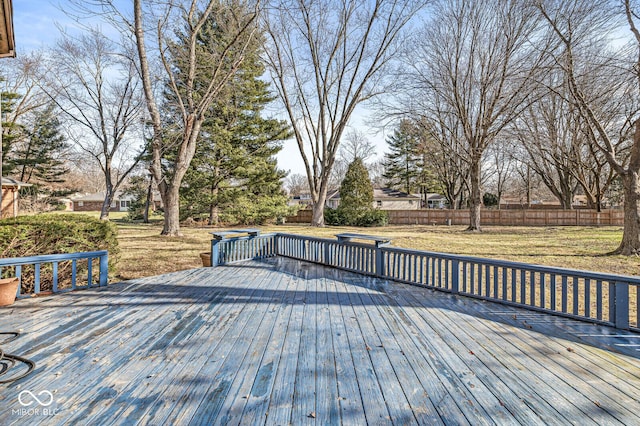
x: 435, y: 197
x: 119, y: 195
x: 388, y: 193
x: 11, y: 182
x: 97, y: 196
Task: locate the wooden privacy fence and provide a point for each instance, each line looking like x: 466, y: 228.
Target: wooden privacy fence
x: 42, y: 273
x: 524, y: 217
x: 607, y: 299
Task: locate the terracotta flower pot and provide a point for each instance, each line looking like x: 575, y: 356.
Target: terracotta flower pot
x: 8, y: 290
x: 206, y: 258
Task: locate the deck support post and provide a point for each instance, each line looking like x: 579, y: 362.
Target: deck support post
x: 215, y: 252
x: 276, y: 251
x: 620, y: 312
x: 380, y: 272
x: 104, y: 270
x: 455, y: 276
x: 327, y: 253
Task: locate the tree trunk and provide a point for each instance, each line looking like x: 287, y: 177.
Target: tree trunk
x: 317, y: 213
x: 214, y: 210
x: 475, y: 199
x: 106, y: 204
x: 147, y: 202
x: 630, y: 243
x: 172, y: 211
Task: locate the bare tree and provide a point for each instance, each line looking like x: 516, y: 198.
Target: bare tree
x: 582, y: 22
x: 444, y: 144
x: 355, y: 145
x: 297, y: 184
x: 98, y: 91
x: 549, y: 132
x: 326, y: 58
x: 500, y: 166
x: 19, y: 75
x: 477, y: 57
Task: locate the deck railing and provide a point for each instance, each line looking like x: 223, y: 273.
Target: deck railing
x: 237, y: 249
x: 607, y: 299
x: 16, y: 266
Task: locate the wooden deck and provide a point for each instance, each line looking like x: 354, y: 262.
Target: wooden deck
x: 284, y: 342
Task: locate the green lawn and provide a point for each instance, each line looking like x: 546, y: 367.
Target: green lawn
x: 144, y: 252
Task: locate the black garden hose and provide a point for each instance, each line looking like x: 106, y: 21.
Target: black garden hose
x: 8, y: 361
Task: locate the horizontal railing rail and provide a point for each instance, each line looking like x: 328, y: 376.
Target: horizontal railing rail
x: 601, y: 298
x: 17, y: 266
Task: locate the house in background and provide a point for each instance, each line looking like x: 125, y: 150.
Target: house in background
x: 93, y: 202
x: 437, y: 201
x: 10, y: 188
x: 302, y: 201
x: 383, y: 199
x: 121, y: 202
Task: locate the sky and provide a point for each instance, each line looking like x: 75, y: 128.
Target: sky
x: 35, y: 27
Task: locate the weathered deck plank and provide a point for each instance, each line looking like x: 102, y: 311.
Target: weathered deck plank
x: 283, y: 342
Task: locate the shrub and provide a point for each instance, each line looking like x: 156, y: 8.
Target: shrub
x: 56, y: 233
x: 333, y: 217
x: 373, y: 218
x: 258, y: 210
x: 489, y: 199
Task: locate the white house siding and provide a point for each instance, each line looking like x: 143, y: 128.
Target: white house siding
x: 396, y: 204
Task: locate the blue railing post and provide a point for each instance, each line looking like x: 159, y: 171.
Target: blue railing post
x: 104, y: 270
x: 621, y: 305
x: 380, y: 272
x: 215, y: 252
x: 455, y: 276
x: 327, y: 253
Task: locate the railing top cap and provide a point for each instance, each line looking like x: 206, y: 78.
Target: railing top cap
x: 219, y: 235
x: 348, y: 236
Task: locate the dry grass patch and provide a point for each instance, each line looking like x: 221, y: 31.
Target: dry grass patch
x: 144, y: 252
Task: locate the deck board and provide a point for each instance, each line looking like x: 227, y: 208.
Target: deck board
x: 286, y: 342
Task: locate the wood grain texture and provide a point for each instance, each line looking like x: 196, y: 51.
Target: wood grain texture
x: 281, y: 342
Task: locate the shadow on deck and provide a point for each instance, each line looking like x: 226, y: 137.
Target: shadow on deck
x: 283, y: 341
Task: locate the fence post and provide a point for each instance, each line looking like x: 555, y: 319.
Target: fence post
x: 621, y: 305
x: 327, y: 253
x: 455, y: 276
x: 104, y: 270
x: 215, y: 252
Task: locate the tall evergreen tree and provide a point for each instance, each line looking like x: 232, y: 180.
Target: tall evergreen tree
x: 12, y: 131
x: 402, y: 163
x: 37, y: 159
x: 356, y: 191
x: 234, y: 163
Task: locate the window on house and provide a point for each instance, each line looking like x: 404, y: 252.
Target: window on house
x: 379, y: 203
x: 80, y: 203
x: 124, y: 204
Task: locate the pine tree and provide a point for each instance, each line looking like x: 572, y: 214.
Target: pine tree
x: 12, y: 132
x: 234, y: 163
x: 356, y: 191
x: 38, y: 158
x: 403, y: 163
x: 356, y: 200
